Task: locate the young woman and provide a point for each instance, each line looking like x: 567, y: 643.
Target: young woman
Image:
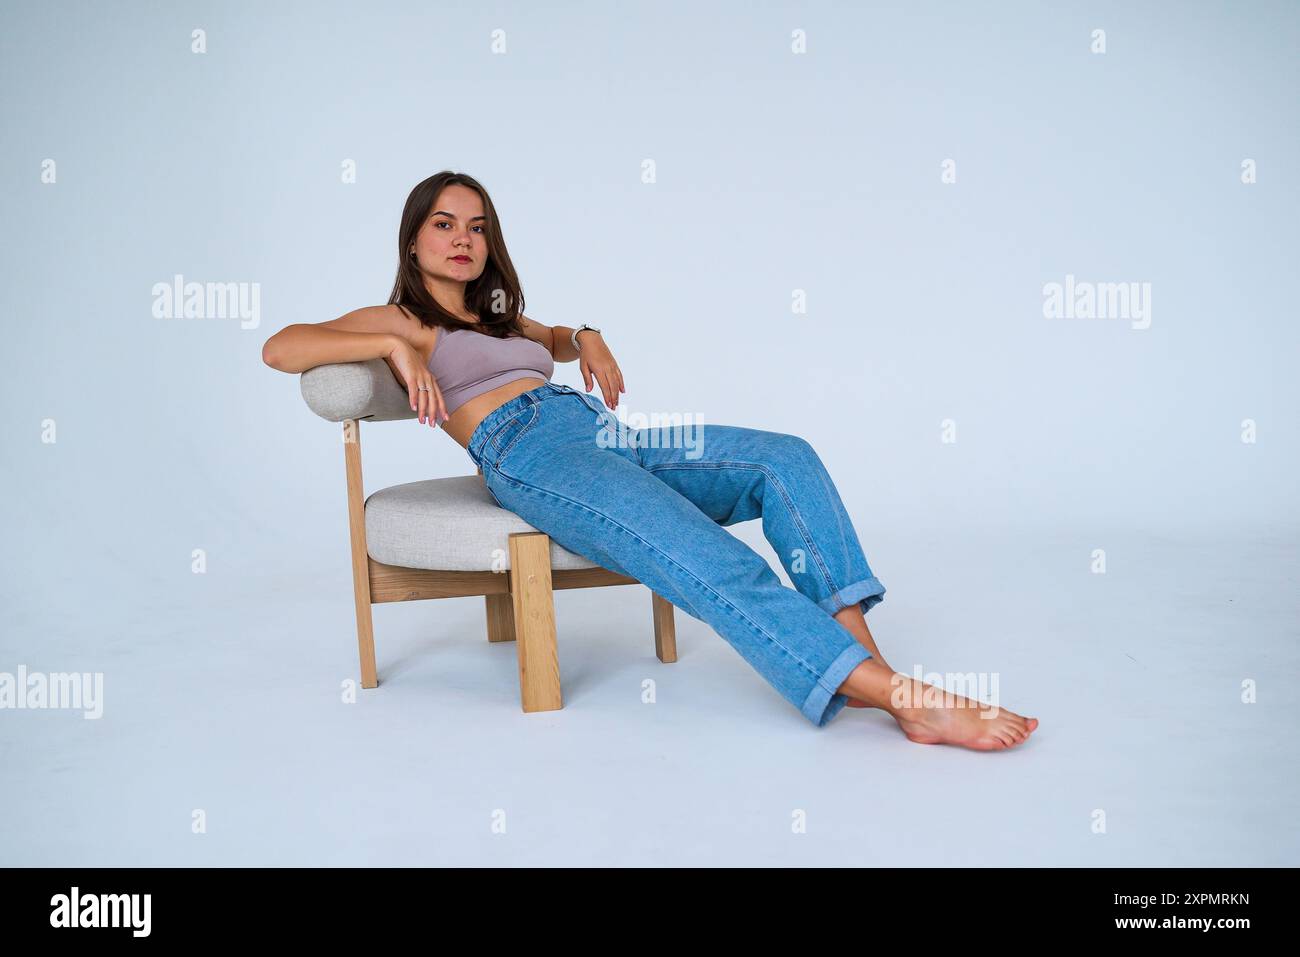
x: 648, y: 503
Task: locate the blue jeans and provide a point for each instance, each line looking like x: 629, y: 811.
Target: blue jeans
x: 651, y: 504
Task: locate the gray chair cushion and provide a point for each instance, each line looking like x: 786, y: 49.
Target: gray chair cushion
x: 448, y: 524
x: 355, y: 390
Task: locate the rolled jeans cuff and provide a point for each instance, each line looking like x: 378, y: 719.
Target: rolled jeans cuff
x: 824, y: 702
x: 867, y: 593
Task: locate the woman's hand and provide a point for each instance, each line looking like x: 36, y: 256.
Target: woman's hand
x: 597, y: 362
x: 415, y: 377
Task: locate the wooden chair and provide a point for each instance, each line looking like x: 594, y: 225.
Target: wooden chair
x: 448, y: 538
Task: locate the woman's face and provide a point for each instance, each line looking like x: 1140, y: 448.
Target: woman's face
x: 454, y: 230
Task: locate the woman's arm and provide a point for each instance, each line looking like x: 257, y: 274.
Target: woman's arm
x: 374, y: 332
x: 368, y: 333
x: 564, y: 351
x: 597, y: 365
x: 555, y: 338
x: 539, y: 332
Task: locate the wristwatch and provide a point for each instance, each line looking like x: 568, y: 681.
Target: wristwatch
x: 573, y: 337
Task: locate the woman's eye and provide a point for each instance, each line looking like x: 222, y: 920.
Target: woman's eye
x: 443, y: 222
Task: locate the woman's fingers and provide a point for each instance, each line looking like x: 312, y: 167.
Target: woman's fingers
x: 609, y: 379
x: 436, y: 401
x: 441, y: 403
x: 431, y: 404
x: 425, y: 411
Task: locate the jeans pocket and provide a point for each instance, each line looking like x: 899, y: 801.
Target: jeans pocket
x: 511, y: 431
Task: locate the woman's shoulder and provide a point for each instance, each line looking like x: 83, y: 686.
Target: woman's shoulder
x: 389, y: 319
x: 405, y: 323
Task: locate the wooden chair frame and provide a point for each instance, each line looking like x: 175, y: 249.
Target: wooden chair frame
x: 520, y: 603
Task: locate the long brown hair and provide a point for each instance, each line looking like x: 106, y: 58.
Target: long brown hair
x: 495, y: 296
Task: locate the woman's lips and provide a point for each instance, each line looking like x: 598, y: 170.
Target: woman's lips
x: 460, y: 259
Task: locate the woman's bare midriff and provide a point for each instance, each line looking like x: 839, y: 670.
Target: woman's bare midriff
x: 462, y: 423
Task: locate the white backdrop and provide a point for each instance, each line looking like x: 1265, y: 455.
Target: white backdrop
x: 684, y: 176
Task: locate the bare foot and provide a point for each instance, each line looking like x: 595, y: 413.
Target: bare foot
x: 931, y: 715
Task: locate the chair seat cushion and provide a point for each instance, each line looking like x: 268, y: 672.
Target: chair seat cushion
x: 447, y: 524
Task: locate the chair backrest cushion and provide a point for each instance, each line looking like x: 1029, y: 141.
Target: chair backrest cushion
x: 356, y: 390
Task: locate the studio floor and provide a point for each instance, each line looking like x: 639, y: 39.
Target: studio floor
x: 226, y: 736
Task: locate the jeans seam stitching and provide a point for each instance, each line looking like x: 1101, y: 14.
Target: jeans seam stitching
x: 650, y: 545
x: 798, y: 519
x: 861, y: 581
x: 821, y: 678
x: 502, y: 453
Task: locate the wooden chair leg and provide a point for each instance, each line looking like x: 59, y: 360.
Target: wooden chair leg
x: 360, y: 563
x: 366, y: 640
x: 665, y: 629
x: 500, y: 617
x: 534, y: 610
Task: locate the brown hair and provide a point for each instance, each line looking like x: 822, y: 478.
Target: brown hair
x: 495, y: 296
